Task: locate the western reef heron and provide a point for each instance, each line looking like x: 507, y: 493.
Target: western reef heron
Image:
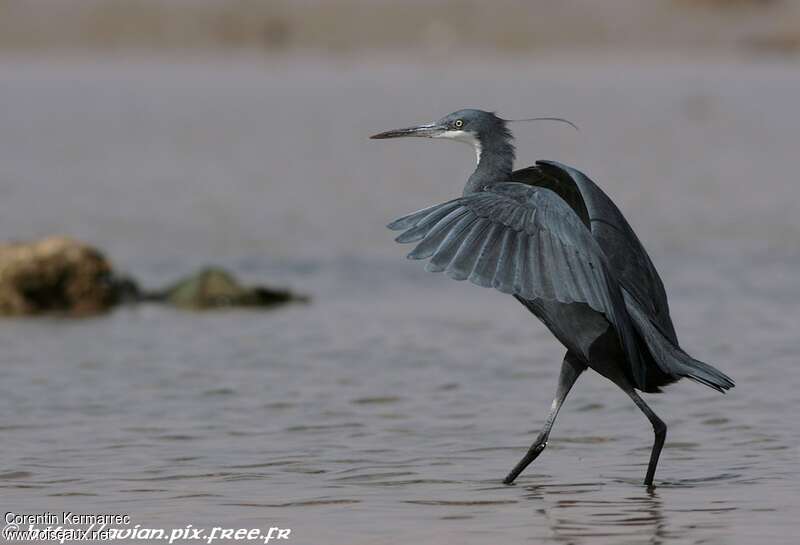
x: 550, y: 237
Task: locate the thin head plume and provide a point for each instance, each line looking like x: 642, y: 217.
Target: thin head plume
x: 559, y: 119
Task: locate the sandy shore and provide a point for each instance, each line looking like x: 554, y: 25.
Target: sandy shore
x: 739, y: 26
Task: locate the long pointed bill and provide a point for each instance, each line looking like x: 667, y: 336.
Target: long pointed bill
x: 426, y: 131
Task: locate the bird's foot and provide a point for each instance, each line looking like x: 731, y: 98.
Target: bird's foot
x: 529, y: 457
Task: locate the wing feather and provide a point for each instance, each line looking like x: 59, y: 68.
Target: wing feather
x: 446, y: 251
x: 466, y: 256
x: 532, y: 280
x: 549, y: 268
x: 520, y: 255
x: 436, y: 234
x: 483, y: 272
x: 503, y: 275
x: 428, y: 222
x: 413, y: 219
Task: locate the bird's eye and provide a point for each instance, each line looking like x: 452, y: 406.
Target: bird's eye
x: 459, y: 123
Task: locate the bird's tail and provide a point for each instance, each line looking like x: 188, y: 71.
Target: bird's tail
x: 669, y: 357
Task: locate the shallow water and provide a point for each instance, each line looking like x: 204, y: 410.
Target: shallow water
x: 389, y: 408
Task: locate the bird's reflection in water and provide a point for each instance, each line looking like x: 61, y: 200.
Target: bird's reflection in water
x: 583, y: 512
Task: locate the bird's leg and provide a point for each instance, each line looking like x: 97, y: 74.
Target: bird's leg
x: 571, y: 369
x: 659, y: 428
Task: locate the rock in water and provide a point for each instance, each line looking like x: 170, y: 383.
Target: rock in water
x: 55, y: 274
x: 63, y: 276
x: 214, y: 288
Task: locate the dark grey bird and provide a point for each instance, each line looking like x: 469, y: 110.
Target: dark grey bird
x: 550, y: 237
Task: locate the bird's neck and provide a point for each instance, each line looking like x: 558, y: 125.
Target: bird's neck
x: 495, y: 163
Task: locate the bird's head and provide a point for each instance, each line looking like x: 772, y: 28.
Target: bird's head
x: 474, y: 127
x: 482, y: 130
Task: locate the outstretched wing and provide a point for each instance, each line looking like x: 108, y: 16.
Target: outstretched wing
x: 524, y: 241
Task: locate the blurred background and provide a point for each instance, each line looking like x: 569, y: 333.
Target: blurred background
x: 171, y: 135
x: 359, y: 26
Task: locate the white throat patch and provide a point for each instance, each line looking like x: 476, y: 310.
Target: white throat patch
x: 467, y: 138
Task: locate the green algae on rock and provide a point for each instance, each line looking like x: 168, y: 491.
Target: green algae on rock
x: 216, y: 288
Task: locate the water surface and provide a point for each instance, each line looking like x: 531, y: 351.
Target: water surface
x: 389, y: 409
